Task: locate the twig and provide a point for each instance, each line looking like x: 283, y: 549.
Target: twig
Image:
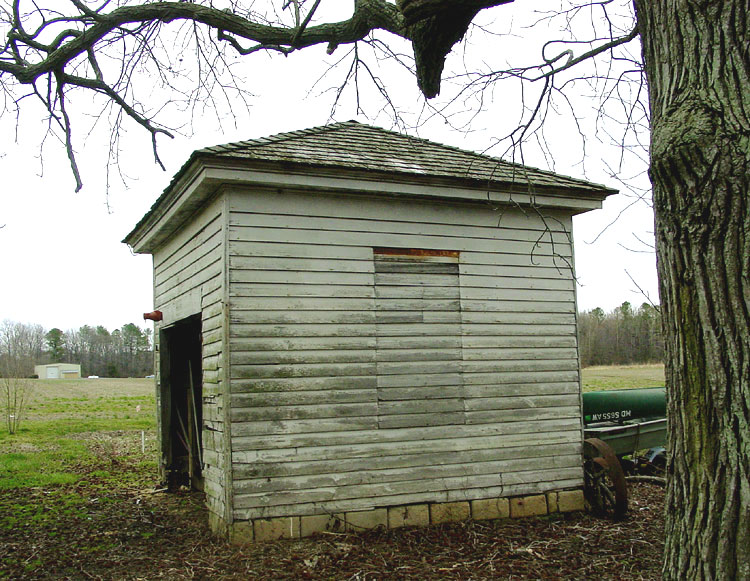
x: 651, y: 479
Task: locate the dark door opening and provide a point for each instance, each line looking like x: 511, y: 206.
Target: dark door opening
x: 182, y: 403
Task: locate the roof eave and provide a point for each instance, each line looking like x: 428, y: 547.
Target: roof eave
x: 188, y: 185
x: 320, y: 177
x: 204, y: 174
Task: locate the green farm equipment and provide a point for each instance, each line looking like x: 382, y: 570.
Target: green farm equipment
x: 620, y: 423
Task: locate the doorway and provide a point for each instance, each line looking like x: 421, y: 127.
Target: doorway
x: 182, y: 403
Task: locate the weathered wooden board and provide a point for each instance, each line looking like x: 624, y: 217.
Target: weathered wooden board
x: 368, y: 381
x: 468, y: 468
x: 304, y: 412
x: 401, y: 210
x: 361, y: 264
x: 263, y: 429
x: 193, y: 234
x: 212, y: 272
x: 277, y: 357
x: 513, y: 444
x: 303, y: 317
x: 496, y: 256
x: 328, y: 397
x: 295, y: 442
x: 193, y: 258
x: 388, y: 459
x: 418, y: 486
x: 528, y: 248
x: 303, y: 370
x: 337, y: 223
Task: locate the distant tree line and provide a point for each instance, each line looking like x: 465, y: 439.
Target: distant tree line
x: 124, y: 352
x: 624, y: 336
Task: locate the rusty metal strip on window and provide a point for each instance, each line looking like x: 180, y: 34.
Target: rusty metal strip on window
x: 416, y: 252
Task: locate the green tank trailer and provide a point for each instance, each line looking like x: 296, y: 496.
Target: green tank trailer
x: 616, y: 424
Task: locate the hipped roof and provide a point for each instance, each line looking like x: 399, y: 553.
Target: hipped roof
x: 354, y: 147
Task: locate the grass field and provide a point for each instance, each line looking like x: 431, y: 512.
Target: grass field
x: 622, y: 377
x: 70, y: 422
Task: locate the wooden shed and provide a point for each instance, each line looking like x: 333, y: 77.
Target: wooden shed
x: 362, y: 328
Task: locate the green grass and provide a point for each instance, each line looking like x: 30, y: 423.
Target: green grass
x: 622, y: 377
x: 72, y: 425
x: 40, y: 467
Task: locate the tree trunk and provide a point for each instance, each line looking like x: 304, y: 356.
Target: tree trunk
x: 697, y: 63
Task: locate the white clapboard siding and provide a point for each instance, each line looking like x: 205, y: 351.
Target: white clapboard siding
x: 253, y: 346
x: 304, y: 383
x: 512, y: 377
x: 193, y: 235
x: 247, y: 265
x: 334, y: 443
x: 193, y: 257
x: 363, y: 377
x: 302, y: 317
x: 300, y: 330
x: 245, y: 248
x: 310, y: 397
x: 302, y: 356
x: 556, y: 261
x: 414, y: 458
x: 284, y: 249
x: 398, y: 240
x: 400, y: 210
x: 510, y: 445
x: 372, y: 493
x: 302, y: 265
x: 264, y: 289
x: 317, y: 224
x: 294, y: 304
x: 466, y: 465
x: 297, y: 277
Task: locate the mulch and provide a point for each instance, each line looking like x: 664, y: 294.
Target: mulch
x: 92, y: 530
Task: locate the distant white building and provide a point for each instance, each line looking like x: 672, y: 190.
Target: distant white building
x: 58, y: 371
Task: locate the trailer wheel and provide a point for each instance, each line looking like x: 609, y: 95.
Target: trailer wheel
x: 605, y: 489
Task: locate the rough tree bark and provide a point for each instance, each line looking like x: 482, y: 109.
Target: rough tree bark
x: 697, y: 59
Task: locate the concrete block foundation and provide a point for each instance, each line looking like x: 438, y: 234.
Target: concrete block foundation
x: 393, y: 517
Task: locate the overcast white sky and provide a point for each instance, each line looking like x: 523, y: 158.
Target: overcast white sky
x: 63, y: 264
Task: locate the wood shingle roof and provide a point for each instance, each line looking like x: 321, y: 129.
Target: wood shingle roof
x: 355, y: 146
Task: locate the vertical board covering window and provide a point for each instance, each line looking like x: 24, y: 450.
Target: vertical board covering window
x: 418, y: 327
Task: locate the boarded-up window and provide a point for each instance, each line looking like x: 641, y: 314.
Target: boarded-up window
x: 418, y: 322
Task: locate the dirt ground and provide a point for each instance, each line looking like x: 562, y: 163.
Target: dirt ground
x: 99, y: 529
